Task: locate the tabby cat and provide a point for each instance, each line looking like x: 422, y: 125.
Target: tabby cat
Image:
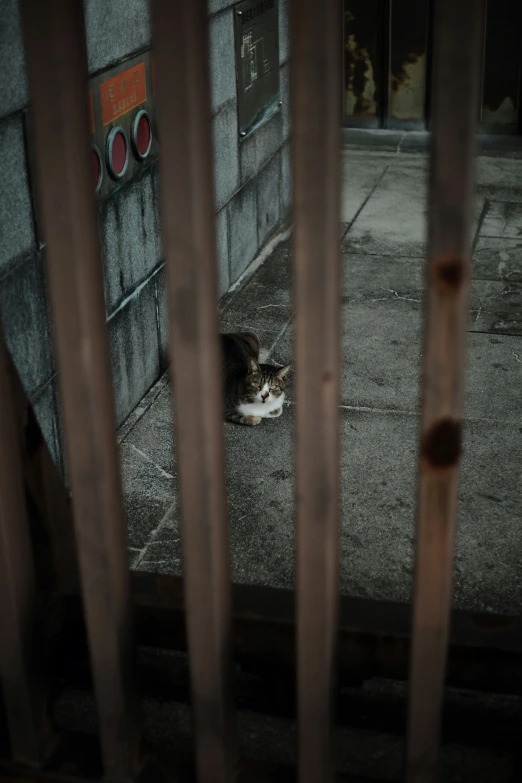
x: 252, y: 391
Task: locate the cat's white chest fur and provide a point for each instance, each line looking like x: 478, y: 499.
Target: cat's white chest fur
x: 262, y: 409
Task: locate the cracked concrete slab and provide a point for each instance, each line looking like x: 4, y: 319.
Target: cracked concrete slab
x: 393, y: 221
x: 502, y: 219
x: 379, y: 454
x: 153, y: 435
x: 496, y: 307
x: 499, y: 179
x: 148, y: 492
x: 381, y: 323
x: 265, y: 310
x: 498, y: 258
x: 382, y: 361
x: 360, y: 177
x: 382, y: 307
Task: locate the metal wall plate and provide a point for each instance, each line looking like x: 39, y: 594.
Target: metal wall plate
x: 256, y: 29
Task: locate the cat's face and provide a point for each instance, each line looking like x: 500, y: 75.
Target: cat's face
x: 265, y: 383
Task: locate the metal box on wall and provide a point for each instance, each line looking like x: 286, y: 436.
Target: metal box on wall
x: 122, y: 122
x: 256, y: 30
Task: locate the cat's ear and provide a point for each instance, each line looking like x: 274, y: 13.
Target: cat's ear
x: 283, y: 372
x: 252, y: 365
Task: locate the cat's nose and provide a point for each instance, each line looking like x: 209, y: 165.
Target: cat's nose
x: 264, y: 396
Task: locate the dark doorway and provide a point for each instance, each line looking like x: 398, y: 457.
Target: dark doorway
x: 387, y: 65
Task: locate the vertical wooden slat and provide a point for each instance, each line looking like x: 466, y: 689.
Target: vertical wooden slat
x: 57, y: 75
x: 316, y: 82
x: 24, y: 698
x: 457, y: 75
x: 186, y: 182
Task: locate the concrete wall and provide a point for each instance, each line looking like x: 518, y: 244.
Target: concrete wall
x: 252, y: 194
x: 252, y: 178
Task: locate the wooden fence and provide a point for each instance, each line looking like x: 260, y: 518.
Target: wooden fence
x: 49, y: 607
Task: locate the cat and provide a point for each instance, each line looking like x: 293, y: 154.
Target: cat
x: 252, y: 391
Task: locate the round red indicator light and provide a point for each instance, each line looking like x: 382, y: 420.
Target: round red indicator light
x: 142, y: 134
x: 117, y: 153
x: 97, y: 170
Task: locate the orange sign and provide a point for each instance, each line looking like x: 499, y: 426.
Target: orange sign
x: 153, y: 67
x: 91, y: 112
x: 123, y: 92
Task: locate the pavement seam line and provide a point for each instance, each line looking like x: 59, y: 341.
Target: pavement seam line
x: 263, y: 255
x: 482, y: 217
x: 147, y: 401
x: 146, y: 457
x: 162, y: 524
x: 368, y: 197
x: 394, y: 411
x: 279, y: 336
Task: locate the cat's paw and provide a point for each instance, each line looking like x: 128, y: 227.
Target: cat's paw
x: 251, y: 421
x: 276, y: 412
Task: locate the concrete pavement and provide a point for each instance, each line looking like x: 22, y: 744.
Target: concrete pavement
x: 383, y: 246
